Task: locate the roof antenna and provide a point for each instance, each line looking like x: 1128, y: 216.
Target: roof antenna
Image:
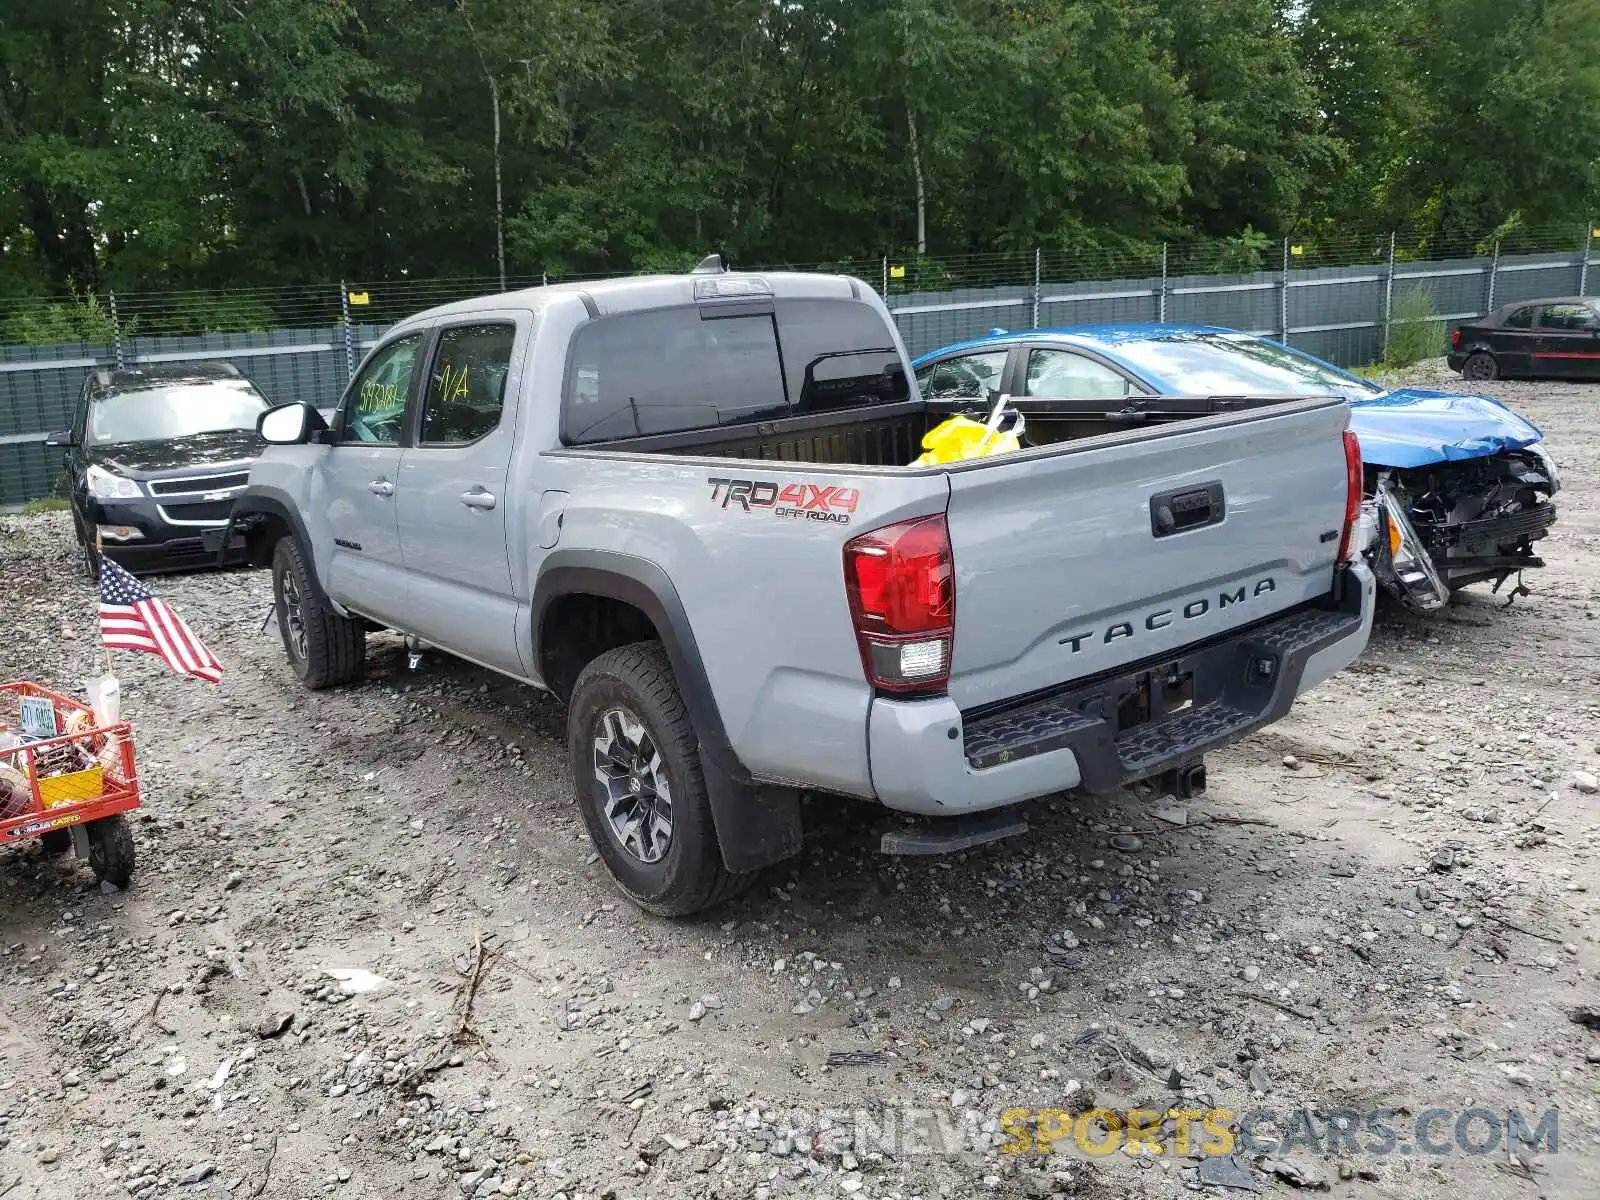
x: 711, y: 264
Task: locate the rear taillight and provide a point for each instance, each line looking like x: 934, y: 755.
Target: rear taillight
x: 1353, y: 486
x: 1455, y: 339
x: 901, y: 582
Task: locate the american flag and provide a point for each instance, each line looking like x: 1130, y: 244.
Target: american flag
x: 131, y: 618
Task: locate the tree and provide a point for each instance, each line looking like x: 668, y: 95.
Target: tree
x: 1258, y: 139
x: 199, y: 144
x: 1456, y: 114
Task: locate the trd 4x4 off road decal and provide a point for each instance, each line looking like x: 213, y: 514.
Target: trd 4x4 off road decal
x: 795, y: 501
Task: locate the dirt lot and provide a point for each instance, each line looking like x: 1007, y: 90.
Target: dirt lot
x: 1385, y: 902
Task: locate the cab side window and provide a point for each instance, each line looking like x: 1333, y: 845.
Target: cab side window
x: 1522, y: 318
x: 970, y: 377
x: 467, y: 387
x: 375, y: 406
x: 669, y: 371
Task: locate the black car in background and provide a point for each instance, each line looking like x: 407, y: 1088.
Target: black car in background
x: 155, y: 456
x: 1558, y: 337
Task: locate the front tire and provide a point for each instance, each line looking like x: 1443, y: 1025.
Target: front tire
x: 111, y: 850
x: 324, y: 649
x: 1480, y: 365
x: 88, y: 559
x: 636, y: 770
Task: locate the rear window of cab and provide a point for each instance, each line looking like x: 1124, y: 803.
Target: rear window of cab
x: 674, y: 370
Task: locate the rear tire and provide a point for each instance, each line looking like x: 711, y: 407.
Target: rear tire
x: 324, y: 649
x: 1480, y: 365
x: 632, y: 747
x: 111, y: 854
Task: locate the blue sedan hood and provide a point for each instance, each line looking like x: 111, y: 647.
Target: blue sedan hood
x: 1416, y: 427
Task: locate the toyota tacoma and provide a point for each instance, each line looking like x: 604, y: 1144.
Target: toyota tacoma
x: 690, y: 508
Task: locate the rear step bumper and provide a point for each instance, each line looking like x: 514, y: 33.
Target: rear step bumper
x: 927, y: 757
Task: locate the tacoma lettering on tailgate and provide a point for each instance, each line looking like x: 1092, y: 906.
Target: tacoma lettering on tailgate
x: 793, y: 501
x: 1162, y: 617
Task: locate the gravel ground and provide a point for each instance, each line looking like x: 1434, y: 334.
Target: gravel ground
x: 369, y: 951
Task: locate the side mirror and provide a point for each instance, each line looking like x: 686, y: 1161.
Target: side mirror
x: 61, y: 437
x: 289, y: 424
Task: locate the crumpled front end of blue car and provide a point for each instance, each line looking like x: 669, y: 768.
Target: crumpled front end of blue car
x: 1448, y: 524
x: 1462, y: 488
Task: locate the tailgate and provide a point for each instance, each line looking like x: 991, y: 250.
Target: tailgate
x: 1112, y: 550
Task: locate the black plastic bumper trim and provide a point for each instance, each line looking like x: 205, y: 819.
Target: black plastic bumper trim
x: 1530, y: 524
x: 1240, y: 682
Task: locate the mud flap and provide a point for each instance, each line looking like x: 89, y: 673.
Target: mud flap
x: 756, y: 825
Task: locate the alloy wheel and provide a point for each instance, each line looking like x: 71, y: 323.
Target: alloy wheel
x: 294, y: 622
x: 637, y: 793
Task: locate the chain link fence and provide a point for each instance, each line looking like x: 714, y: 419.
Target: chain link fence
x: 1334, y: 295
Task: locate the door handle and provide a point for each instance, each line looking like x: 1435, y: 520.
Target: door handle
x: 1187, y: 508
x: 478, y: 498
x: 381, y: 487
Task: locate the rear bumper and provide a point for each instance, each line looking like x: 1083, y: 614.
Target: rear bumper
x: 1454, y: 360
x: 928, y: 757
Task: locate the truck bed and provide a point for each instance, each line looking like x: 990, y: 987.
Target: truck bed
x: 891, y: 435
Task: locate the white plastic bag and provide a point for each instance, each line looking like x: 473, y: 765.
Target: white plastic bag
x: 105, y: 697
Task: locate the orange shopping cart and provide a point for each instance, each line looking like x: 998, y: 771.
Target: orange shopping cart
x: 66, y: 779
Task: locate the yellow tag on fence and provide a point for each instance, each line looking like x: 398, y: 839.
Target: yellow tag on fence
x: 360, y: 298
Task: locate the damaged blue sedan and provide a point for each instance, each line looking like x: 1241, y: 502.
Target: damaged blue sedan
x: 1461, y: 486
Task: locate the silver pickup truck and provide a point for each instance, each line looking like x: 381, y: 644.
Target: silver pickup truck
x: 689, y: 507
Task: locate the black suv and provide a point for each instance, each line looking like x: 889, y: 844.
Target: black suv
x: 155, y: 456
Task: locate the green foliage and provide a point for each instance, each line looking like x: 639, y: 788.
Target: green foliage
x: 191, y: 145
x: 1507, y: 229
x: 1242, y: 253
x: 194, y: 313
x: 46, y: 323
x: 1454, y: 115
x: 47, y: 504
x: 1414, y: 333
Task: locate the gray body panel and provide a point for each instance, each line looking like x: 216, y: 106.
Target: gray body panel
x: 1048, y: 544
x: 364, y: 565
x: 459, y: 590
x: 1059, y: 575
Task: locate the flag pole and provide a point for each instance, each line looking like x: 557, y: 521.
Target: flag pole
x: 99, y: 565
